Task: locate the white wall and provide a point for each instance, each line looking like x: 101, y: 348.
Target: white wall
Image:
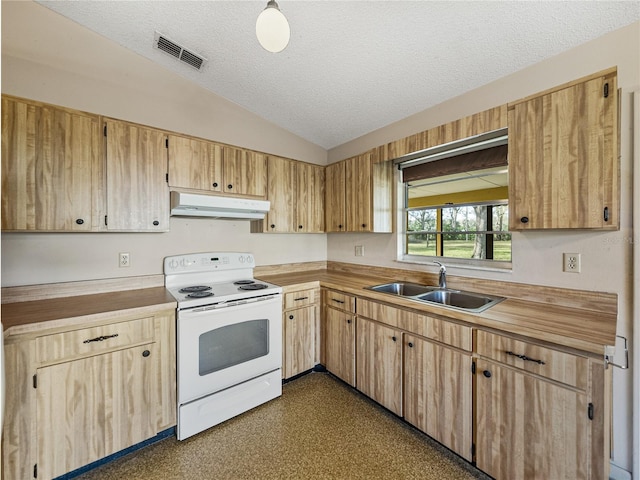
x: 537, y: 256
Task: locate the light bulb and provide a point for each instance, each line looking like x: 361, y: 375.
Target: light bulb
x: 272, y: 28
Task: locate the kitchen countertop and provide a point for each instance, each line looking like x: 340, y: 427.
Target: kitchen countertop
x: 31, y: 316
x: 584, y: 330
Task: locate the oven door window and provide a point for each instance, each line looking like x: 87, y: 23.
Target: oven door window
x: 232, y: 345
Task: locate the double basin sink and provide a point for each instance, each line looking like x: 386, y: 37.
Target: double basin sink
x: 457, y: 299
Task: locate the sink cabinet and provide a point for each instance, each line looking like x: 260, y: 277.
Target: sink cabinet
x: 78, y: 393
x: 563, y: 157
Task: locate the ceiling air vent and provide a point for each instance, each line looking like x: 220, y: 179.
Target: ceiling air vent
x: 175, y: 50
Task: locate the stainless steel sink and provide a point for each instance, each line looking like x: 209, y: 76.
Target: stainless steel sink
x: 457, y: 299
x: 403, y: 289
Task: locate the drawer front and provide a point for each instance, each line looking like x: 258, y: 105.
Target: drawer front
x: 550, y: 363
x: 340, y: 300
x: 454, y: 334
x: 300, y: 298
x: 90, y: 341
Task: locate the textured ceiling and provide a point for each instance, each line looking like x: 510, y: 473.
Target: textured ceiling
x: 351, y: 66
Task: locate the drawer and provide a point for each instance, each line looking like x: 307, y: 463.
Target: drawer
x: 340, y: 300
x: 544, y: 361
x: 300, y: 298
x: 90, y: 341
x: 443, y: 331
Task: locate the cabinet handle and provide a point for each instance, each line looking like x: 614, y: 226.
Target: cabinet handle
x: 290, y: 317
x: 101, y: 338
x: 524, y: 219
x: 337, y: 301
x: 215, y: 184
x: 300, y: 298
x: 229, y: 186
x: 487, y: 373
x: 410, y: 344
x: 394, y: 338
x: 349, y: 321
x: 606, y: 214
x: 79, y: 221
x: 156, y: 223
x: 525, y: 358
x: 146, y: 353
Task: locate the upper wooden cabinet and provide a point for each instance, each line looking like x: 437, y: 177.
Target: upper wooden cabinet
x: 197, y: 164
x: 563, y: 157
x: 359, y: 194
x: 137, y: 191
x: 296, y: 192
x: 52, y: 168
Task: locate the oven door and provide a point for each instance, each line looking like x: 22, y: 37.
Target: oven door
x: 221, y: 346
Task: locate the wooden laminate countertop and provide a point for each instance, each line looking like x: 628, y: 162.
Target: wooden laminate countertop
x: 583, y: 330
x: 32, y: 316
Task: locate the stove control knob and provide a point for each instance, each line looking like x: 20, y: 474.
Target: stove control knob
x: 249, y: 259
x: 241, y: 259
x: 173, y: 264
x: 184, y: 263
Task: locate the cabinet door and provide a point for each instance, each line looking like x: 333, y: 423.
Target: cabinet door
x: 245, y: 172
x: 335, y: 213
x: 339, y: 332
x: 379, y: 363
x: 563, y: 162
x: 438, y: 393
x: 310, y: 184
x: 137, y: 190
x: 300, y: 339
x: 280, y: 218
x: 195, y: 164
x: 358, y: 193
x: 529, y: 428
x: 93, y: 407
x: 52, y: 169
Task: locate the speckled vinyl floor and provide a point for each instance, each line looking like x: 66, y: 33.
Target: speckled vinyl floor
x: 319, y: 429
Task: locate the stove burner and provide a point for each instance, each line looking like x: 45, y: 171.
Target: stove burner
x: 200, y: 294
x: 194, y: 288
x: 253, y: 286
x: 244, y: 282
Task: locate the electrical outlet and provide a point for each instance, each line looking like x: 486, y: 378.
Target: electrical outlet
x: 124, y: 260
x: 571, y: 262
x: 359, y: 251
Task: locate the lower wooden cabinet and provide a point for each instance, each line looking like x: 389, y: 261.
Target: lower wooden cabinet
x: 379, y: 363
x: 339, y: 344
x: 438, y: 393
x: 527, y: 427
x: 300, y: 331
x: 77, y: 394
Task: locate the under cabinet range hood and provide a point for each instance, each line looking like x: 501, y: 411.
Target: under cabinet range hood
x: 232, y: 208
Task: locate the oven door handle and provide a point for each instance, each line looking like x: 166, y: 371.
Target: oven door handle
x: 239, y: 304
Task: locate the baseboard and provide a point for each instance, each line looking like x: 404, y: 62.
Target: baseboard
x: 618, y: 473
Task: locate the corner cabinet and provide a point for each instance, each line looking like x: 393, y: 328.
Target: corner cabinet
x: 563, y: 157
x: 359, y: 195
x: 52, y: 168
x: 78, y: 394
x: 137, y: 190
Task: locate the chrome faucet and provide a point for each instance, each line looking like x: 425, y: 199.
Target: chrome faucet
x: 442, y: 276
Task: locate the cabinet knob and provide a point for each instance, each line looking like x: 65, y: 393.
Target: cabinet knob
x: 364, y: 225
x: 340, y: 226
x: 290, y: 317
x: 229, y: 186
x: 349, y: 321
x: 410, y: 344
x: 394, y: 338
x: 79, y: 221
x: 299, y: 226
x: 215, y: 184
x: 273, y: 226
x: 487, y: 373
x: 156, y: 223
x: 146, y: 353
x: 524, y: 219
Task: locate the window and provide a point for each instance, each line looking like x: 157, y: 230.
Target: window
x: 457, y: 207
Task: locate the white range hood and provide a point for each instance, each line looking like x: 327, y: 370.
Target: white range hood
x: 197, y: 205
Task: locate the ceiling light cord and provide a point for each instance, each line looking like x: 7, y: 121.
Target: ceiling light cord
x: 272, y: 28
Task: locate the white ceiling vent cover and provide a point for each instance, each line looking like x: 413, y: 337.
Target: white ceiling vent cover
x: 178, y: 51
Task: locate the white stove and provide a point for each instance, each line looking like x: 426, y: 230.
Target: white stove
x: 229, y: 337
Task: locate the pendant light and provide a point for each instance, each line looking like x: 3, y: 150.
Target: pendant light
x: 272, y: 28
